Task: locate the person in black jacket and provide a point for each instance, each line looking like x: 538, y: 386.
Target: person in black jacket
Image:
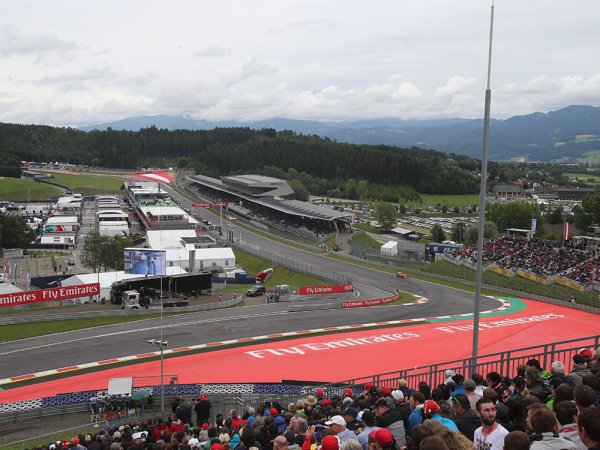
x: 465, y: 419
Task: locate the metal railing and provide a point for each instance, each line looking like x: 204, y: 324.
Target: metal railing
x: 505, y: 363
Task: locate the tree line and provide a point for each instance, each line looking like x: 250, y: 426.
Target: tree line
x: 321, y: 165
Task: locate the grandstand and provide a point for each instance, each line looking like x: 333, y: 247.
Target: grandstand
x: 262, y: 198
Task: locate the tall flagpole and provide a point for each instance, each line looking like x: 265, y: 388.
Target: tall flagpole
x: 482, y: 198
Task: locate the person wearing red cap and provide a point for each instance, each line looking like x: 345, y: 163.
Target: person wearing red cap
x: 319, y: 393
x: 202, y: 410
x: 381, y: 439
x: 431, y: 410
x: 490, y: 435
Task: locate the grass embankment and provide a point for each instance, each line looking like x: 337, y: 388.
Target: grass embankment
x: 13, y: 189
x: 89, y: 184
x: 515, y: 283
x: 19, y: 331
x: 450, y: 200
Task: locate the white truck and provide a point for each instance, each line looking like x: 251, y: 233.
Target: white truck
x: 149, y: 296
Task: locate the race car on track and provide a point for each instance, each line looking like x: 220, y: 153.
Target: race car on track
x: 402, y: 275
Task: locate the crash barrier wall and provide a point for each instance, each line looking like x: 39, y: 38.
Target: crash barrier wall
x: 505, y: 363
x: 223, y: 397
x: 138, y: 312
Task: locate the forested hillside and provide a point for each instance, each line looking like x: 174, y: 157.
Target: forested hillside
x: 224, y: 151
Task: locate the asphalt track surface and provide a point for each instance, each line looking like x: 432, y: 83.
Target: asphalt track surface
x: 103, y: 343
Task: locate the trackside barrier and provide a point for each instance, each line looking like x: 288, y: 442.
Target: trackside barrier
x: 112, y: 313
x: 505, y: 363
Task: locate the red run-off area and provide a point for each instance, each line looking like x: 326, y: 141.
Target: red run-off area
x: 344, y: 355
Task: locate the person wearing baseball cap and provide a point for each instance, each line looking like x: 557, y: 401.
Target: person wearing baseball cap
x: 202, y: 410
x: 381, y: 439
x: 338, y: 426
x: 390, y: 418
x: 431, y: 410
x: 350, y: 414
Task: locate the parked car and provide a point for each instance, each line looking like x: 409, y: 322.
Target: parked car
x: 71, y: 260
x: 255, y: 291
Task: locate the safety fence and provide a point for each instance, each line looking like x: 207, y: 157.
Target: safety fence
x: 505, y: 363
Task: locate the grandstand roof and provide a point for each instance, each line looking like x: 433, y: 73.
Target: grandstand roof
x: 258, y: 185
x: 291, y: 207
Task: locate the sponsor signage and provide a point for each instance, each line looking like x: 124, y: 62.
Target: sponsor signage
x: 501, y: 271
x: 531, y: 276
x: 364, y: 303
x: 49, y: 295
x: 210, y: 205
x: 336, y: 289
x: 570, y: 284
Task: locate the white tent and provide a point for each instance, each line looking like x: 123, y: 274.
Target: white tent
x: 205, y: 258
x: 390, y: 248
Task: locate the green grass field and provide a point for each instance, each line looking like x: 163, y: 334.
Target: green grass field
x: 253, y: 265
x: 364, y: 240
x: 582, y: 177
x: 450, y: 200
x: 13, y: 189
x: 586, y: 138
x: 89, y: 184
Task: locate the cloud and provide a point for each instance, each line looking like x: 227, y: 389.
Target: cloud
x: 14, y: 43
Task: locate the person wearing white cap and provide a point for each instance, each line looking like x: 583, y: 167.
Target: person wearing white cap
x: 449, y: 374
x: 338, y: 426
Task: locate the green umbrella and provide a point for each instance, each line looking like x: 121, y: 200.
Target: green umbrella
x: 141, y: 395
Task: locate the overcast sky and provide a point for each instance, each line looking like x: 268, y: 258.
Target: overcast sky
x: 80, y: 62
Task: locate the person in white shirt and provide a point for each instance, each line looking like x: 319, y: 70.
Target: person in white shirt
x: 490, y: 435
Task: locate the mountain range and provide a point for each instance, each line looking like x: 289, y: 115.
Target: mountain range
x: 571, y: 134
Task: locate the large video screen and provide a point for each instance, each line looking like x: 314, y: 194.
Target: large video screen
x: 145, y: 261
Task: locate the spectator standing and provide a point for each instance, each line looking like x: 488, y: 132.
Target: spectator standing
x: 579, y: 371
x: 390, y: 418
x: 370, y: 421
x: 490, y: 435
x: 417, y: 399
x: 473, y: 397
x: 516, y: 440
x: 338, y: 425
x: 202, y: 410
x: 566, y: 414
x: 589, y: 428
x: 545, y: 426
x: 431, y: 410
x: 466, y: 420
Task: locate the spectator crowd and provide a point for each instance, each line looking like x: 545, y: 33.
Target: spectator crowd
x: 573, y: 260
x: 535, y: 407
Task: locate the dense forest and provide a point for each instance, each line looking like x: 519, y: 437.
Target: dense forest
x: 320, y: 165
